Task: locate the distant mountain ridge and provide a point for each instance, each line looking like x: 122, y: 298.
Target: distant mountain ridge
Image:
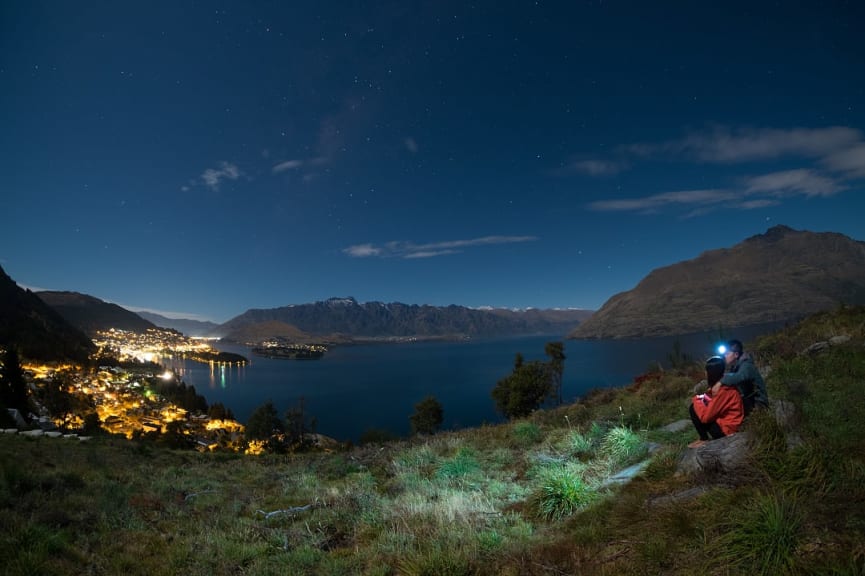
x: 35, y: 328
x: 336, y: 320
x: 184, y: 325
x: 91, y: 314
x: 345, y: 317
x: 781, y: 275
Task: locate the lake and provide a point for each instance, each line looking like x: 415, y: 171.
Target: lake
x: 353, y: 389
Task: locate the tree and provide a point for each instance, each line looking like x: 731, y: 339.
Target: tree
x: 13, y: 386
x: 428, y: 416
x: 264, y: 423
x: 92, y: 425
x: 297, y: 426
x: 556, y: 352
x: 56, y: 397
x: 218, y: 411
x: 525, y: 389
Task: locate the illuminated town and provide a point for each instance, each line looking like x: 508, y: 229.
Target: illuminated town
x: 125, y: 394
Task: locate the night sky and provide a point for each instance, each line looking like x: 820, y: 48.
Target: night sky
x: 198, y: 159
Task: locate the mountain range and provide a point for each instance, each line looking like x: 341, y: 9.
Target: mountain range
x: 338, y: 319
x: 781, y: 275
x: 185, y: 325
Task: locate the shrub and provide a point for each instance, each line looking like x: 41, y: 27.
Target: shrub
x: 563, y: 491
x: 623, y: 446
x: 524, y: 390
x: 428, y: 416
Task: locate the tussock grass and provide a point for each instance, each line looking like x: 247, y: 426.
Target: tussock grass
x: 522, y: 498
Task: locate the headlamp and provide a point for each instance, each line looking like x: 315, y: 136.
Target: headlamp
x: 722, y: 349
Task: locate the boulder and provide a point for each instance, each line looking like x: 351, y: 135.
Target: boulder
x: 726, y: 456
x: 818, y: 347
x: 717, y: 458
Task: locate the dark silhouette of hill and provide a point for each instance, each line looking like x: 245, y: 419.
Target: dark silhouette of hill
x: 183, y: 325
x: 91, y: 314
x: 37, y: 330
x: 781, y: 275
x: 347, y: 317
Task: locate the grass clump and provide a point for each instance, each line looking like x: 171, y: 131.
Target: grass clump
x: 763, y: 536
x: 623, y: 447
x: 563, y: 491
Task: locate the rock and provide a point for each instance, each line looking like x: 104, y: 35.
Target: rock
x: 718, y: 457
x: 788, y: 419
x: 816, y: 348
x: 627, y: 474
x: 34, y: 433
x: 725, y: 456
x: 677, y: 426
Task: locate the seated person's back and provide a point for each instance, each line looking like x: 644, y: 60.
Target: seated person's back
x: 719, y: 412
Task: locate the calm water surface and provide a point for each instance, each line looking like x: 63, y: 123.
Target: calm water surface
x: 353, y: 389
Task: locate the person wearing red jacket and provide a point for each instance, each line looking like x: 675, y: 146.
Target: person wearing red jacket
x: 719, y: 412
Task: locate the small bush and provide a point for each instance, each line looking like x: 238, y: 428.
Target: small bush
x: 623, y: 446
x: 562, y: 492
x: 579, y: 444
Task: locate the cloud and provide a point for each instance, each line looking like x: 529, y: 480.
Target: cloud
x: 287, y: 165
x: 829, y: 158
x: 410, y: 250
x: 849, y: 161
x: 599, y: 167
x: 306, y: 166
x: 213, y: 177
x: 654, y: 202
x: 725, y: 145
x: 793, y: 183
x: 362, y: 251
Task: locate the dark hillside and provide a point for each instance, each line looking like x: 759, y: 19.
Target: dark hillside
x: 592, y: 488
x: 781, y: 275
x: 91, y: 314
x: 39, y: 331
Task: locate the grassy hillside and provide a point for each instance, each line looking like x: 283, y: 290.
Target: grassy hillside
x: 529, y: 497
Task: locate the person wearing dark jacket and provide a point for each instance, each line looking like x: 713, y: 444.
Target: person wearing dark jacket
x: 718, y: 412
x: 743, y: 375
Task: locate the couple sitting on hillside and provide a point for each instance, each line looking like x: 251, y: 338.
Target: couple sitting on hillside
x: 721, y: 409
